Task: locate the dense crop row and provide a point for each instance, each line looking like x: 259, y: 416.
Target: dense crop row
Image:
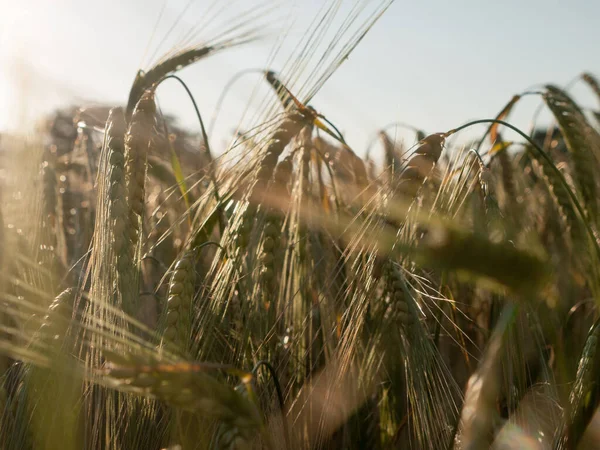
x: 153, y: 295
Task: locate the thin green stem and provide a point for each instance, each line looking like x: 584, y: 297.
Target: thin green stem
x: 513, y: 101
x: 211, y: 168
x: 198, y: 115
x: 340, y: 135
x: 224, y: 92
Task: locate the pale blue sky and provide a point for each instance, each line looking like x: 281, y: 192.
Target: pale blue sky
x: 434, y: 64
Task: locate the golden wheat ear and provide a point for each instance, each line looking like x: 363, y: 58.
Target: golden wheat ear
x: 177, y: 60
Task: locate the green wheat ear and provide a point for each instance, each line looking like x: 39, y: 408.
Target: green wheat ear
x: 449, y: 248
x: 585, y: 394
x: 593, y: 83
x: 583, y: 142
x: 180, y: 295
x: 479, y: 417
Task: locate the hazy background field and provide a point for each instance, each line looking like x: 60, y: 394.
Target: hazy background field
x: 434, y: 64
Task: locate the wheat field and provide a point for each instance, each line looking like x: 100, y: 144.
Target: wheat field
x: 291, y: 291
